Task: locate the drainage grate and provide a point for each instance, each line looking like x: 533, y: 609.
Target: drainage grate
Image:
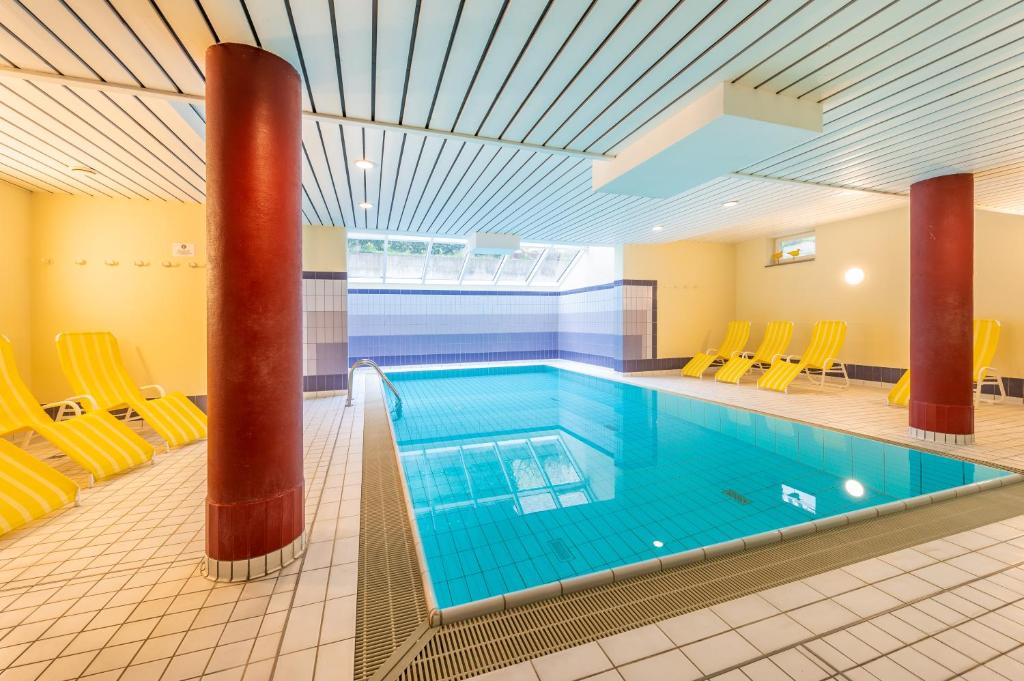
x: 390, y: 603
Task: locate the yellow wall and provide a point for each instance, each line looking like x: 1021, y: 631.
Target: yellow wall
x: 804, y: 292
x: 878, y: 309
x: 696, y: 291
x: 157, y: 313
x: 15, y: 264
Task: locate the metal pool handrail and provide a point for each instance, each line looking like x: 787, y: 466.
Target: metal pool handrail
x: 369, y: 363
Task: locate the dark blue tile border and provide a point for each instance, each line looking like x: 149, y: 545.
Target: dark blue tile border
x: 325, y: 382
x: 324, y: 275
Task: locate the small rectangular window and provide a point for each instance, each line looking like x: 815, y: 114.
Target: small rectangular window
x: 793, y: 248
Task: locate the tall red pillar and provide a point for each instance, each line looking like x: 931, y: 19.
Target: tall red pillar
x: 254, y: 506
x: 942, y: 308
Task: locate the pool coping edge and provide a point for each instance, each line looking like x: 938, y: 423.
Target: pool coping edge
x: 515, y: 599
x: 438, y: 616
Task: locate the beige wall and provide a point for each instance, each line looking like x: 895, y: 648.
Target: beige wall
x: 15, y: 264
x: 878, y: 309
x: 323, y: 249
x: 696, y: 291
x: 158, y: 313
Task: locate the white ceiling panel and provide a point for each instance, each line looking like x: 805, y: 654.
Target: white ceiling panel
x: 910, y: 89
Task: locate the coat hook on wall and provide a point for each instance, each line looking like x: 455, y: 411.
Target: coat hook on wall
x: 168, y: 263
x: 111, y: 263
x: 142, y: 263
x: 196, y: 265
x: 80, y: 261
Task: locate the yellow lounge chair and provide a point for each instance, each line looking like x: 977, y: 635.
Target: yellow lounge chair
x: 818, y: 361
x: 773, y: 346
x: 29, y: 488
x: 92, y: 363
x: 736, y: 336
x: 98, y: 442
x: 986, y: 342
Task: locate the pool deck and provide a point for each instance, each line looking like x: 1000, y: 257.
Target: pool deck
x: 111, y: 589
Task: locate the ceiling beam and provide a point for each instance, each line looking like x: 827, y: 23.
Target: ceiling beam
x: 199, y: 100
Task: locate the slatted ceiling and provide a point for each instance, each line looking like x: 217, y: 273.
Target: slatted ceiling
x: 910, y: 88
x: 513, y: 38
x: 177, y: 34
x: 65, y: 143
x: 500, y: 216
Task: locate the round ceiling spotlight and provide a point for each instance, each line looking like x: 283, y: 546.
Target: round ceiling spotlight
x: 854, y: 276
x: 366, y: 205
x: 730, y: 204
x: 363, y: 164
x: 657, y: 228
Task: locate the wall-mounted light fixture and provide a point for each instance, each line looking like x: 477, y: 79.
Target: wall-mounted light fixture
x: 854, y: 276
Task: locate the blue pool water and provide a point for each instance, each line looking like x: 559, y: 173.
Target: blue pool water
x: 520, y: 476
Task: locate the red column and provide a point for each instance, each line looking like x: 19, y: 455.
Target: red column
x: 942, y: 308
x: 254, y: 508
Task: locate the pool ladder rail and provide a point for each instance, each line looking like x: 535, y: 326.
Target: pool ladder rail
x: 370, y: 363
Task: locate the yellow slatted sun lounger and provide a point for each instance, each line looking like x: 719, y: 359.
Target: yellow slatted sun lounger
x: 29, y: 489
x: 92, y: 363
x: 736, y: 336
x: 818, y: 361
x: 774, y: 345
x: 97, y: 441
x: 986, y: 342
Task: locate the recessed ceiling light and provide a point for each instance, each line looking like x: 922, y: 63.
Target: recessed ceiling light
x: 366, y: 205
x: 364, y: 164
x: 657, y: 228
x: 658, y: 543
x: 730, y: 204
x: 81, y: 168
x: 854, y: 276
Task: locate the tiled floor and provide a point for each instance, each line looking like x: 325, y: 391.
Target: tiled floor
x: 951, y: 608
x: 861, y: 409
x: 112, y: 590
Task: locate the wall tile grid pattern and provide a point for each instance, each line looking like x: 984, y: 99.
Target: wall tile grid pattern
x: 607, y: 325
x: 324, y: 331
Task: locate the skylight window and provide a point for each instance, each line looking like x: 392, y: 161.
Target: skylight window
x: 555, y: 265
x: 520, y: 265
x: 425, y: 260
x: 406, y: 259
x: 366, y: 259
x: 481, y: 268
x: 445, y: 263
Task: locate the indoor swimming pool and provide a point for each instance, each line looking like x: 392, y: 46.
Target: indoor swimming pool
x: 522, y: 476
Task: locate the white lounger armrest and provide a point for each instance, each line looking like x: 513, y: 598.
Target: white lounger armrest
x: 71, y: 403
x: 159, y: 389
